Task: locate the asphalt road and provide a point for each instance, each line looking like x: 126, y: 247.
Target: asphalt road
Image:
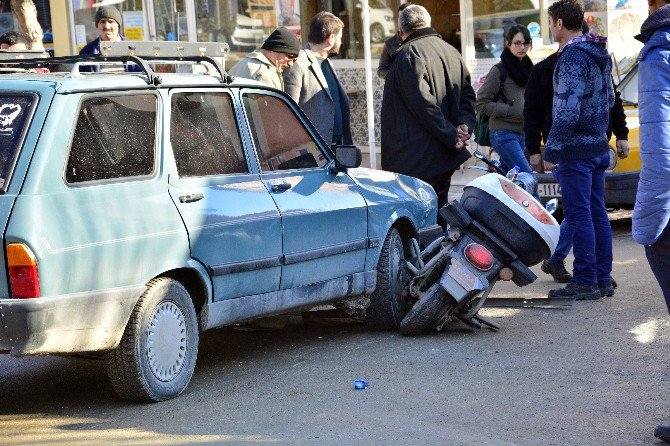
x: 593, y: 374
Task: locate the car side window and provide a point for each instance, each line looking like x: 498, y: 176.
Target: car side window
x: 204, y: 135
x: 115, y: 137
x: 281, y: 140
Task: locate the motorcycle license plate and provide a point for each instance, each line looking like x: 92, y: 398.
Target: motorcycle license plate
x: 464, y: 276
x: 549, y: 190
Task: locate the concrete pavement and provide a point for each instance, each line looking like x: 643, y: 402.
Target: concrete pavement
x: 593, y: 374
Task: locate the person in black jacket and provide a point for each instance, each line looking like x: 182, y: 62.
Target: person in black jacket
x: 538, y: 119
x: 391, y: 44
x: 428, y: 105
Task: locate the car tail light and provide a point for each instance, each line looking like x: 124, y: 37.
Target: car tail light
x: 23, y: 276
x: 479, y: 256
x: 529, y: 204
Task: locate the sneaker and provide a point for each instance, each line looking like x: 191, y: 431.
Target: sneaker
x: 606, y: 288
x: 614, y: 284
x: 662, y: 433
x: 577, y: 291
x: 557, y: 271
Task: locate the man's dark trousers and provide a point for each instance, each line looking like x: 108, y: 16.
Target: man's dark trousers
x: 658, y: 256
x: 583, y: 191
x: 441, y: 184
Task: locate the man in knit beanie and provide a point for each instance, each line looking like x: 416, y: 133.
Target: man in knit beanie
x: 108, y: 23
x: 266, y: 65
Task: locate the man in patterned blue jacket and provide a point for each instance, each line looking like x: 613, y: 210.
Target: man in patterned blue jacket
x: 652, y: 205
x: 583, y: 98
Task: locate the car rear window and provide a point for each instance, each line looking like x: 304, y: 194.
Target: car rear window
x: 115, y: 137
x: 15, y: 114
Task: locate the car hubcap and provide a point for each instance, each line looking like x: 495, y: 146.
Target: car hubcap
x: 166, y: 341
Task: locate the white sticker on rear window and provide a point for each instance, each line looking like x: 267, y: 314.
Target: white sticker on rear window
x: 8, y: 114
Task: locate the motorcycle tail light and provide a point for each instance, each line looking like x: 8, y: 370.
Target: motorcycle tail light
x: 479, y: 256
x: 528, y: 204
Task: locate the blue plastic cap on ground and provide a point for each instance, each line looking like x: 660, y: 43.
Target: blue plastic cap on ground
x: 360, y: 384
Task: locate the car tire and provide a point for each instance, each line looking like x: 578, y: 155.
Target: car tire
x: 424, y: 311
x: 156, y: 356
x: 376, y: 33
x: 387, y: 303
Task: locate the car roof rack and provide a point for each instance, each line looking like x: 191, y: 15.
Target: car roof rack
x: 25, y: 54
x: 138, y: 52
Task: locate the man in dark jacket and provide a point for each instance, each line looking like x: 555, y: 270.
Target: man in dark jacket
x: 583, y: 98
x: 539, y: 96
x: 391, y: 44
x: 428, y: 105
x: 108, y: 23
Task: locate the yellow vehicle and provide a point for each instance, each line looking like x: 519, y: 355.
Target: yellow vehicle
x: 622, y: 176
x: 621, y: 181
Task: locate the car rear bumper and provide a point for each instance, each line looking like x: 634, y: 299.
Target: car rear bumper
x: 621, y: 188
x: 73, y: 323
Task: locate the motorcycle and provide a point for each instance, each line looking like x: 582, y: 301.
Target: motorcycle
x: 496, y: 231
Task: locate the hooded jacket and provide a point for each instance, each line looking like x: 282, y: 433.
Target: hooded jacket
x: 583, y: 98
x: 652, y: 205
x: 426, y: 96
x: 539, y: 98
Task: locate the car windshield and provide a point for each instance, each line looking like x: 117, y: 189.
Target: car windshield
x: 15, y: 113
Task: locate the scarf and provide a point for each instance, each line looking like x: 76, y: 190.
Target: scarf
x: 660, y: 19
x: 518, y: 70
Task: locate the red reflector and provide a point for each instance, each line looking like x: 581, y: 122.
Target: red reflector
x: 479, y: 256
x: 25, y: 282
x: 529, y: 205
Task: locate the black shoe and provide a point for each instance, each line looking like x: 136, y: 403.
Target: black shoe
x: 577, y: 291
x: 557, y: 271
x: 606, y: 288
x: 614, y: 284
x: 662, y: 433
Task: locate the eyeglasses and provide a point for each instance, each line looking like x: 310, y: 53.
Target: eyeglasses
x: 520, y: 44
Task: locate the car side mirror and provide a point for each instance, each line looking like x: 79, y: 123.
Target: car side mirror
x: 346, y: 157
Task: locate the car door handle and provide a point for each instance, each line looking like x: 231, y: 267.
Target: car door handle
x: 190, y: 198
x: 280, y: 187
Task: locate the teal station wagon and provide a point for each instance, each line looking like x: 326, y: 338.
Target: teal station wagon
x: 139, y: 209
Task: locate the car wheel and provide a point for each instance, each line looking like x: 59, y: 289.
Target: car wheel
x: 387, y: 303
x: 424, y: 311
x: 156, y: 356
x: 376, y: 33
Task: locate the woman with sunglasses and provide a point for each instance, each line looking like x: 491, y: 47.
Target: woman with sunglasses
x: 501, y: 98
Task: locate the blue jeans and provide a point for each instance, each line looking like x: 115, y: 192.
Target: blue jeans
x: 509, y: 146
x: 583, y: 190
x: 658, y: 256
x: 564, y: 244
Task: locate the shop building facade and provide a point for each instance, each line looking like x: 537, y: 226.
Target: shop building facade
x: 475, y: 27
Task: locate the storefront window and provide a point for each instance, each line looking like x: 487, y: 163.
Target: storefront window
x: 491, y: 18
x: 171, y: 20
x: 133, y: 26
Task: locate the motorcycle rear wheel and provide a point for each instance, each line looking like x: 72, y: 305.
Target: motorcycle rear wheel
x: 424, y: 311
